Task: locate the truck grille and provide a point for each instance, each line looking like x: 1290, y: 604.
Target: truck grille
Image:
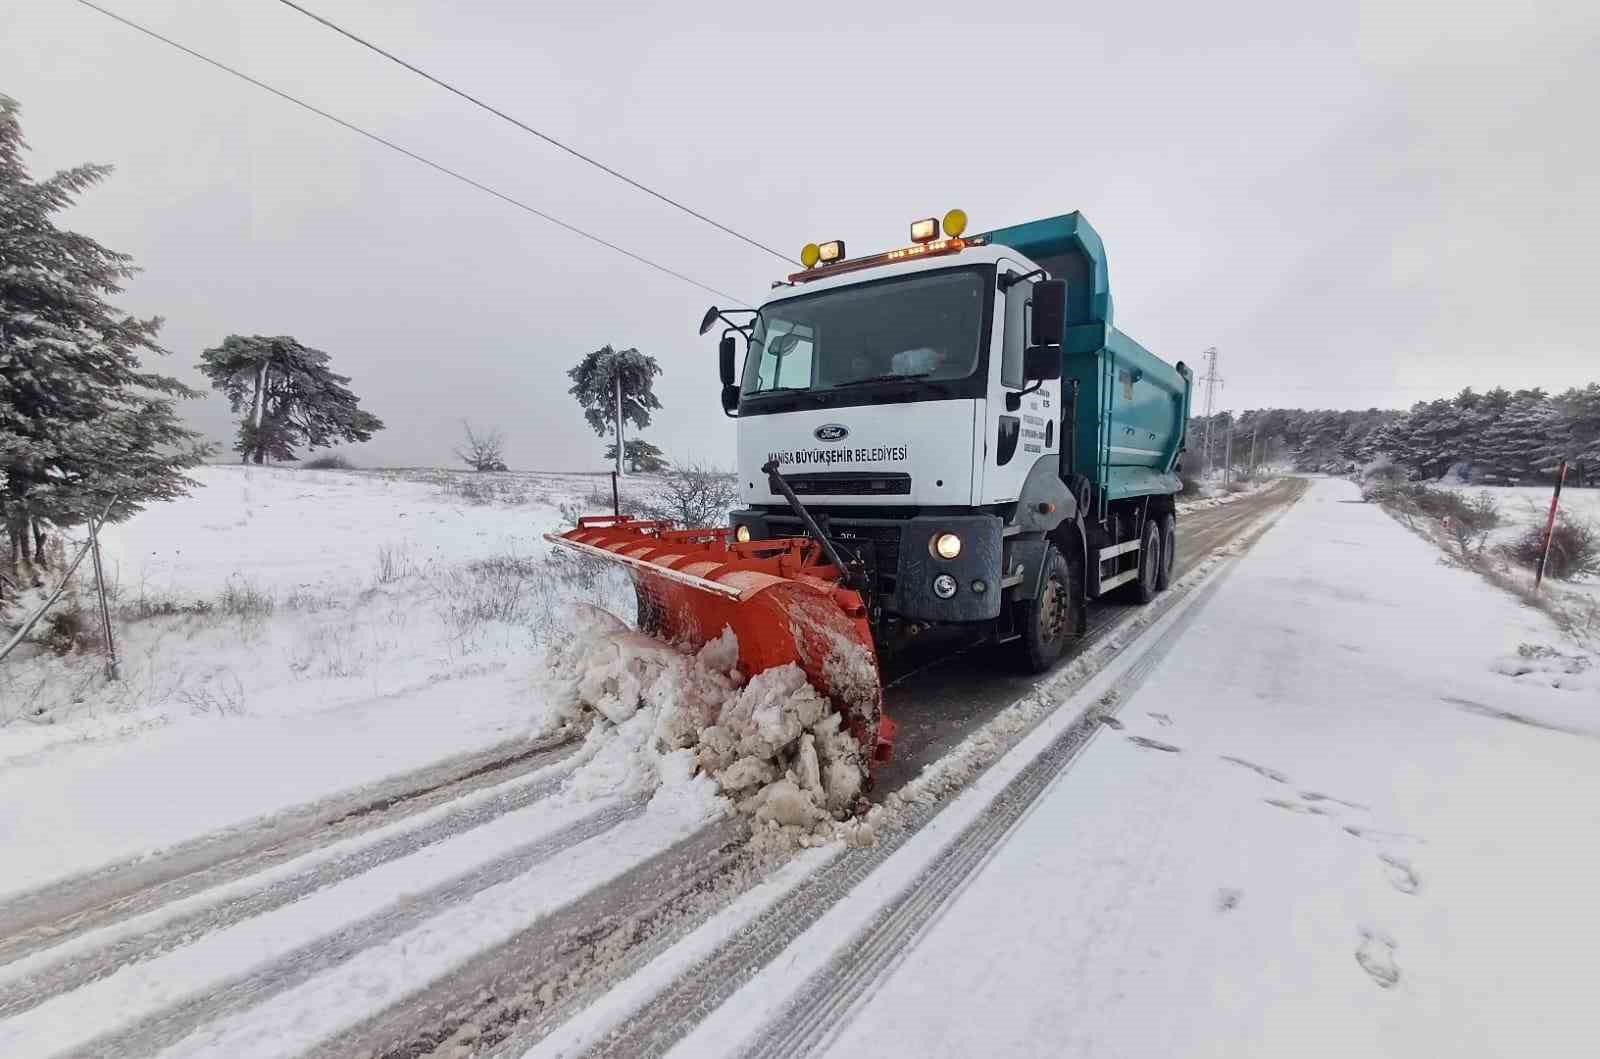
x: 877, y: 544
x: 849, y: 484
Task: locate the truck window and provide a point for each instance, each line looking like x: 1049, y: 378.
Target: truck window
x: 1015, y: 339
x: 923, y: 326
x: 784, y: 357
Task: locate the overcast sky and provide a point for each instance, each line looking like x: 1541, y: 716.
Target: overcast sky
x: 1358, y: 204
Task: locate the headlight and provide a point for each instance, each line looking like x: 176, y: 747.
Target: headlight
x: 946, y: 546
x: 742, y: 534
x: 944, y: 586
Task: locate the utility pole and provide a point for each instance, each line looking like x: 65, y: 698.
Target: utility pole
x: 1227, y: 458
x: 1212, y: 381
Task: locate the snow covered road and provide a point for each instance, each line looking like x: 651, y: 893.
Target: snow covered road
x: 1321, y: 824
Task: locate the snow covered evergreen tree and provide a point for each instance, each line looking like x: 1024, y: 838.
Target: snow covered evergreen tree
x: 81, y: 422
x: 640, y: 455
x: 594, y: 386
x: 292, y: 396
x: 1516, y: 444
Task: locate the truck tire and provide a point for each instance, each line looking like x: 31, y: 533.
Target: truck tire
x: 1169, y: 550
x: 1050, y: 622
x: 1143, y: 588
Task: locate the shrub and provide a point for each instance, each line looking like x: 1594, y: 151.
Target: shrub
x: 694, y: 496
x: 1468, y: 515
x: 68, y: 627
x: 329, y: 461
x: 1574, y: 549
x: 245, y: 600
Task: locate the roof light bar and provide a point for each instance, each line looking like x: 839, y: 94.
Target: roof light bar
x: 907, y: 253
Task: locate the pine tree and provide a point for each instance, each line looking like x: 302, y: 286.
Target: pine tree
x: 1514, y: 446
x: 292, y: 396
x: 81, y: 423
x: 640, y: 455
x: 594, y: 386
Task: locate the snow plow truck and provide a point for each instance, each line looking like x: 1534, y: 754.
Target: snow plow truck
x: 948, y: 433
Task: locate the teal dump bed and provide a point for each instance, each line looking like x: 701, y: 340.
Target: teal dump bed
x: 1132, y: 406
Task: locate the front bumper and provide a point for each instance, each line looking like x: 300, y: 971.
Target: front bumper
x: 898, y: 553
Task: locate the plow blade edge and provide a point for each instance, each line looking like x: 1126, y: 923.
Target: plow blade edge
x: 784, y: 605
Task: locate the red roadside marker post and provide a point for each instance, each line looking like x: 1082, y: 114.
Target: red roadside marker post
x: 1550, y: 526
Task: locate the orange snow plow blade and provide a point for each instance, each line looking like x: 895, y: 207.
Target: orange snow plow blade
x: 780, y: 598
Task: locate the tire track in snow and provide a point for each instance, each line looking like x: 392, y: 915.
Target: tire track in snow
x: 656, y: 1027
x: 815, y: 1015
x: 163, y: 1028
x: 520, y: 978
x: 65, y: 908
x: 80, y: 969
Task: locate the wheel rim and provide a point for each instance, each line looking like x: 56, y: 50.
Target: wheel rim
x: 1052, y: 610
x: 1150, y: 566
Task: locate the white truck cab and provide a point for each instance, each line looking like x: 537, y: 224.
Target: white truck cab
x: 890, y: 387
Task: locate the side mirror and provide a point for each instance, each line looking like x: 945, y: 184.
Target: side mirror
x: 1041, y: 363
x: 730, y: 399
x: 709, y: 320
x: 725, y: 354
x: 1049, y: 321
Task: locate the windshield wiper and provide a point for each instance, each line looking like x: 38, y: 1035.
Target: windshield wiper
x: 891, y: 377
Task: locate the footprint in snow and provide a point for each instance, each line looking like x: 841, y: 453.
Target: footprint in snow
x: 1162, y: 719
x: 1153, y: 744
x: 1373, y: 834
x: 1317, y: 796
x: 1402, y: 876
x: 1261, y: 770
x: 1227, y: 899
x: 1375, y: 954
x: 1296, y: 807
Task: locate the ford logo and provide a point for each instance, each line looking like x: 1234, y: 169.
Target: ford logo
x: 830, y: 432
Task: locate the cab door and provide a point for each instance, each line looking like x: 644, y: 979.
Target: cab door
x: 1015, y: 437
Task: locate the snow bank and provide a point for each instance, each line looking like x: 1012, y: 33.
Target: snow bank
x: 676, y: 724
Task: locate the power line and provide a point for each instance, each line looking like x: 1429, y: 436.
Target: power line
x: 414, y: 156
x: 551, y: 140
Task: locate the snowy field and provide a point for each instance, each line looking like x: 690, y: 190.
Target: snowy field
x: 286, y: 633
x: 1523, y: 506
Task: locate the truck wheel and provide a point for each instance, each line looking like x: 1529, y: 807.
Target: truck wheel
x: 1144, y: 587
x: 1051, y: 622
x: 1169, y: 551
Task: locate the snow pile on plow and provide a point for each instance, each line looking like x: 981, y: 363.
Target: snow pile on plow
x: 668, y: 719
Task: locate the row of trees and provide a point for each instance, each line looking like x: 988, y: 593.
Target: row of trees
x: 1497, y: 437
x: 1318, y: 440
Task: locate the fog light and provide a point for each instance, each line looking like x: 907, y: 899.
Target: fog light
x: 742, y: 534
x: 980, y: 587
x: 944, y: 586
x: 947, y: 546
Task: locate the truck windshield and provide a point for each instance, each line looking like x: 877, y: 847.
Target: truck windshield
x: 922, y: 327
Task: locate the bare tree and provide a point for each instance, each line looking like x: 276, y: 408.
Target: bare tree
x: 482, y: 450
x: 693, y: 496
